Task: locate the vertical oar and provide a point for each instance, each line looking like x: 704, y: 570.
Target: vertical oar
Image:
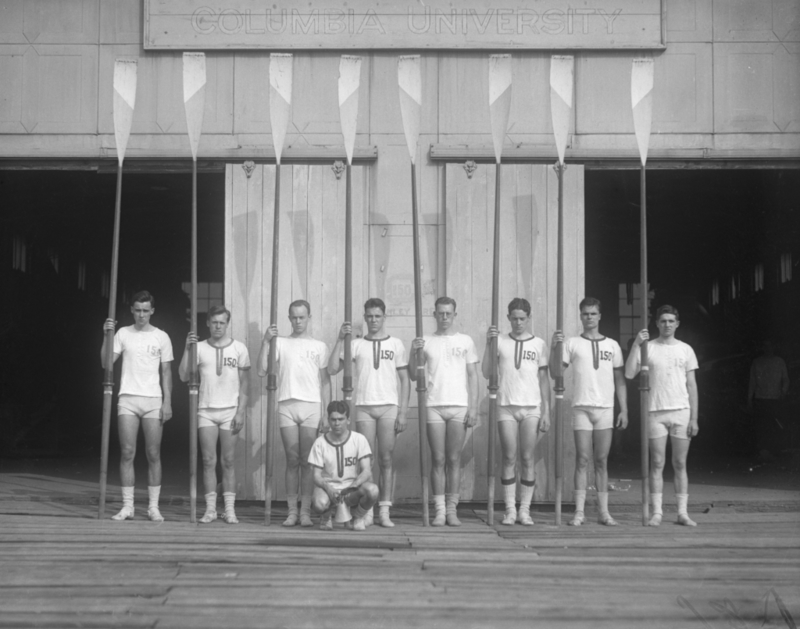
x: 194, y: 95
x: 349, y: 81
x: 280, y: 107
x: 124, y: 102
x: 642, y: 105
x: 561, y: 80
x: 409, y: 79
x: 499, y: 108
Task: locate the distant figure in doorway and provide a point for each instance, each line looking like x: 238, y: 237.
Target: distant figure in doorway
x: 303, y: 391
x: 145, y: 351
x: 769, y: 384
x: 523, y: 400
x: 450, y: 364
x: 673, y: 407
x: 223, y: 364
x: 598, y: 375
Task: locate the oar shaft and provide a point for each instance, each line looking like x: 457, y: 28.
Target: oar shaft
x: 272, y: 375
x: 347, y: 379
x: 644, y: 376
x: 492, y: 349
x: 194, y: 380
x: 559, y: 375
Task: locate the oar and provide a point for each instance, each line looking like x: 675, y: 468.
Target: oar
x: 349, y: 80
x: 642, y: 105
x: 561, y: 79
x: 410, y: 81
x: 124, y: 102
x: 280, y: 107
x: 499, y: 108
x: 194, y: 94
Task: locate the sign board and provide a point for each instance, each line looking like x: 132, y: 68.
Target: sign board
x: 403, y: 24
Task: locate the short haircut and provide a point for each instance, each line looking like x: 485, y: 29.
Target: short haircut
x: 586, y: 302
x: 338, y: 406
x: 375, y: 302
x: 218, y: 310
x: 519, y: 303
x: 297, y: 303
x: 667, y: 309
x: 445, y: 301
x: 142, y: 297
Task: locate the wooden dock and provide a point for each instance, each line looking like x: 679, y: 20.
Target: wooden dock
x: 62, y: 568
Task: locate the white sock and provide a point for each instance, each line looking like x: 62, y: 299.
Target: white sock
x: 384, y: 507
x: 291, y: 500
x: 525, y: 495
x: 439, y: 503
x: 127, y: 498
x: 230, y: 498
x: 683, y: 503
x: 305, y: 504
x: 451, y: 503
x: 211, y: 502
x: 656, y: 500
x: 602, y: 499
x: 580, y: 500
x: 510, y: 496
x: 154, y: 493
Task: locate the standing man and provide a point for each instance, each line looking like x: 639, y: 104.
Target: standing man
x: 598, y: 374
x: 523, y: 400
x: 342, y: 462
x: 451, y: 371
x: 769, y: 384
x: 381, y: 406
x: 303, y: 390
x: 673, y: 407
x: 144, y: 349
x: 224, y: 386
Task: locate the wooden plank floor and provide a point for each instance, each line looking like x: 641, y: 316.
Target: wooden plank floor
x: 62, y: 568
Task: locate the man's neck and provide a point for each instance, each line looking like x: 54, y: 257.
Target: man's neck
x: 300, y: 335
x: 340, y: 439
x: 594, y: 333
x: 380, y: 334
x: 220, y: 342
x: 143, y: 328
x: 522, y: 336
x: 447, y: 332
x: 667, y: 340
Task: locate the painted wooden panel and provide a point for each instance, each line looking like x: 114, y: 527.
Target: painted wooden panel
x: 11, y: 78
x: 384, y: 95
x: 121, y: 22
x: 61, y: 21
x: 251, y: 94
x: 757, y: 21
x: 756, y: 88
x: 689, y: 21
x: 12, y: 18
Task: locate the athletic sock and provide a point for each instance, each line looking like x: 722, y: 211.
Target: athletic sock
x: 152, y: 508
x: 211, y: 502
x: 383, y: 513
x: 291, y: 501
x: 526, y: 494
x: 683, y: 513
x: 440, y: 509
x: 229, y: 497
x: 656, y: 499
x: 602, y: 500
x: 127, y: 505
x: 451, y: 509
x: 510, y: 493
x: 305, y: 510
x: 580, y: 500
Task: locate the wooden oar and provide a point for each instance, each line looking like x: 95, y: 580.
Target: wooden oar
x: 349, y: 81
x: 499, y: 108
x: 642, y: 105
x: 561, y: 79
x: 280, y: 107
x: 124, y: 103
x: 409, y: 79
x: 194, y: 94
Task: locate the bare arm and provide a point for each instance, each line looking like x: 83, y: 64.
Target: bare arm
x: 558, y: 337
x: 263, y: 355
x: 244, y: 394
x: 183, y: 368
x: 413, y: 365
x: 691, y: 386
x: 364, y: 472
x: 325, y: 390
x: 544, y: 389
x: 166, y: 391
x: 109, y: 324
x: 320, y: 482
x: 474, y: 395
x: 622, y: 395
x: 632, y: 365
x: 405, y: 392
x: 486, y: 363
x: 335, y: 363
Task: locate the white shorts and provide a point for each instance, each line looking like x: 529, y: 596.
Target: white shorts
x: 443, y: 414
x: 673, y: 423
x: 299, y: 413
x: 513, y: 413
x: 376, y: 413
x: 592, y: 418
x: 139, y: 406
x: 219, y: 417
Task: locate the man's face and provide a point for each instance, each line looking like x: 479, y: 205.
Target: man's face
x: 374, y: 318
x: 218, y: 325
x: 519, y: 321
x: 444, y: 314
x: 667, y: 324
x: 338, y: 423
x: 299, y: 317
x: 590, y: 317
x: 142, y: 311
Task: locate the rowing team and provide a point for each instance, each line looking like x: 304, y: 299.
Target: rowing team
x: 330, y: 466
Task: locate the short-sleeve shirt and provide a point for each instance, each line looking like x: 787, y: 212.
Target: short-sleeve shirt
x: 339, y: 462
x: 219, y: 373
x: 519, y: 365
x: 669, y: 365
x: 376, y: 364
x: 299, y: 363
x: 594, y: 361
x: 446, y: 360
x: 770, y: 374
x: 142, y: 354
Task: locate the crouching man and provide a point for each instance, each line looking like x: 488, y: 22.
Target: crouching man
x: 342, y: 463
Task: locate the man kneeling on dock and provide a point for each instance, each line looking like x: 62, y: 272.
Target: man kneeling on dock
x: 342, y: 462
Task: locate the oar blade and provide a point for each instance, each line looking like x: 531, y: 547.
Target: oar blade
x: 409, y: 80
x: 642, y: 103
x: 349, y: 81
x: 499, y: 99
x: 194, y: 95
x: 280, y: 99
x: 124, y: 102
x: 562, y: 74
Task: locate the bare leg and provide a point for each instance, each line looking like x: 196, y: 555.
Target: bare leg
x: 528, y: 436
x: 658, y: 457
x: 290, y: 435
x: 437, y: 434
x: 680, y: 452
x: 386, y: 440
x: 208, y: 447
x: 227, y: 442
x: 583, y: 454
x: 128, y: 432
x: 508, y: 445
x: 456, y: 434
x: 153, y: 429
x: 602, y: 446
x: 307, y: 438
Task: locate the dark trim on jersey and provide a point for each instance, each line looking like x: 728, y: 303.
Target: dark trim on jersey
x: 339, y: 453
x: 219, y: 351
x: 376, y: 351
x: 595, y: 350
x: 518, y: 347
